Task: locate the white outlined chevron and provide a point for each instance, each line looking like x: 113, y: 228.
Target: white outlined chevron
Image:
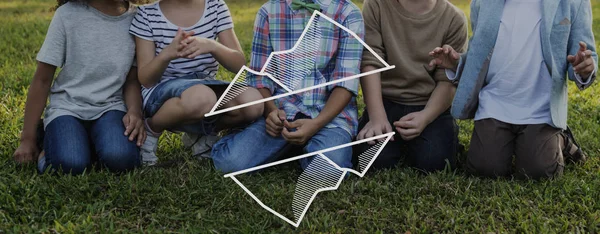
x: 322, y: 174
x: 364, y: 165
x: 219, y: 103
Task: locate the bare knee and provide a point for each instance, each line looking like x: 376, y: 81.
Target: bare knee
x: 252, y: 112
x: 197, y: 101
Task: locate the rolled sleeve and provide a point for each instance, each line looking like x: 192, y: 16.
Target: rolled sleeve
x: 452, y: 75
x: 587, y: 81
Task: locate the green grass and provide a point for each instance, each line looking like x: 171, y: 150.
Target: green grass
x: 193, y: 197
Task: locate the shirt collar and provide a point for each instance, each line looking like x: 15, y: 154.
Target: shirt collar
x: 320, y: 2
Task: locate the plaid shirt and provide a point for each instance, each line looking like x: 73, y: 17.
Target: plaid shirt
x: 278, y: 27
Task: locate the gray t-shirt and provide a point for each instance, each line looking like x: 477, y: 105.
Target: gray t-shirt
x: 95, y: 52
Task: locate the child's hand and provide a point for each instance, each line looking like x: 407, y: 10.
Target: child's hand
x: 27, y: 152
x: 583, y: 63
x: 374, y: 128
x: 444, y: 57
x: 412, y: 125
x: 172, y: 51
x: 274, y: 122
x: 192, y: 47
x: 305, y: 130
x: 134, y: 127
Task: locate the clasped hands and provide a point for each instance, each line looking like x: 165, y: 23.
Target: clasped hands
x: 186, y: 45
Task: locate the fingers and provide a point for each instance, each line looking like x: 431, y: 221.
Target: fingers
x: 187, y: 35
x: 435, y: 62
x: 583, y: 55
x: 586, y: 67
x: 436, y: 51
x: 141, y: 137
x: 127, y: 125
x: 448, y: 49
x: 292, y: 137
x: 188, y: 50
x: 405, y: 124
x: 361, y: 134
x: 455, y: 55
x: 368, y: 134
x: 273, y: 126
x: 571, y: 59
x: 388, y: 129
x: 181, y: 46
x: 276, y: 120
x: 281, y: 114
x: 408, y: 117
x: 195, y: 54
x: 24, y: 156
x: 582, y: 46
x: 295, y: 124
x: 134, y: 134
x: 178, y: 36
x: 188, y: 40
x: 273, y: 131
x: 376, y: 132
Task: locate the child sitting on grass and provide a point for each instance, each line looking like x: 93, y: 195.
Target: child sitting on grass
x: 412, y: 99
x: 95, y: 105
x: 513, y: 82
x: 317, y: 119
x: 178, y: 57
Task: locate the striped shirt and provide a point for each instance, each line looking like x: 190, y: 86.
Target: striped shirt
x: 278, y: 27
x: 151, y: 24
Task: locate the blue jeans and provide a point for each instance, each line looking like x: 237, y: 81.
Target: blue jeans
x: 254, y: 146
x: 173, y: 89
x: 71, y: 144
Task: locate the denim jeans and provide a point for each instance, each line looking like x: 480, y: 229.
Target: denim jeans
x: 437, y: 144
x: 175, y: 88
x: 71, y: 144
x: 254, y: 146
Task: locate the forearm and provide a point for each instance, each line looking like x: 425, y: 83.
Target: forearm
x: 149, y: 74
x: 36, y: 102
x: 132, y: 93
x: 231, y: 59
x: 338, y: 100
x: 371, y: 86
x: 270, y: 105
x: 440, y: 100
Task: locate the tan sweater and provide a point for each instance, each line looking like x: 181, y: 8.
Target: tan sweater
x: 405, y: 39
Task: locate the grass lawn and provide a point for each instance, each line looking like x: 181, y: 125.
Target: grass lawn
x: 191, y: 196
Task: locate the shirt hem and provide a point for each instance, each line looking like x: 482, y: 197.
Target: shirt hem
x: 515, y: 122
x: 58, y: 112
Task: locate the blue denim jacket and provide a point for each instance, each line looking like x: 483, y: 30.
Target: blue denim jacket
x: 565, y: 23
